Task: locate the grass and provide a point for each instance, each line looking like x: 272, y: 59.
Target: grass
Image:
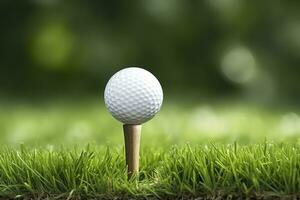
x: 87, y: 121
x: 74, y: 150
x: 263, y: 170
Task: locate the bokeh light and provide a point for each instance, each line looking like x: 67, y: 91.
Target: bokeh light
x: 52, y: 46
x: 239, y: 65
x: 288, y: 37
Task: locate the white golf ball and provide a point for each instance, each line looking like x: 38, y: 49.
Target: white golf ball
x: 133, y: 95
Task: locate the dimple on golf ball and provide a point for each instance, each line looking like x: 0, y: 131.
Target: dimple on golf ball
x: 133, y: 95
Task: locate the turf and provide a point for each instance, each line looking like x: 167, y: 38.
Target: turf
x: 265, y: 170
x: 216, y: 150
x: 82, y: 122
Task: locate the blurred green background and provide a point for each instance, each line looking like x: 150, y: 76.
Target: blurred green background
x: 229, y: 68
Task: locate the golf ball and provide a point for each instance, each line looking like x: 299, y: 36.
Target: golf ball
x: 133, y: 95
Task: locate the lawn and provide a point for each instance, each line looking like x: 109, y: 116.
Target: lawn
x: 260, y: 171
x: 74, y: 149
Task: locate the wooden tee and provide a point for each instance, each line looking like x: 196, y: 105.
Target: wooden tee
x: 132, y: 135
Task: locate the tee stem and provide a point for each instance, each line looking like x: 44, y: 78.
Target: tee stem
x: 132, y: 135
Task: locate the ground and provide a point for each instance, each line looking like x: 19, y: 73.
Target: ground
x: 65, y: 149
